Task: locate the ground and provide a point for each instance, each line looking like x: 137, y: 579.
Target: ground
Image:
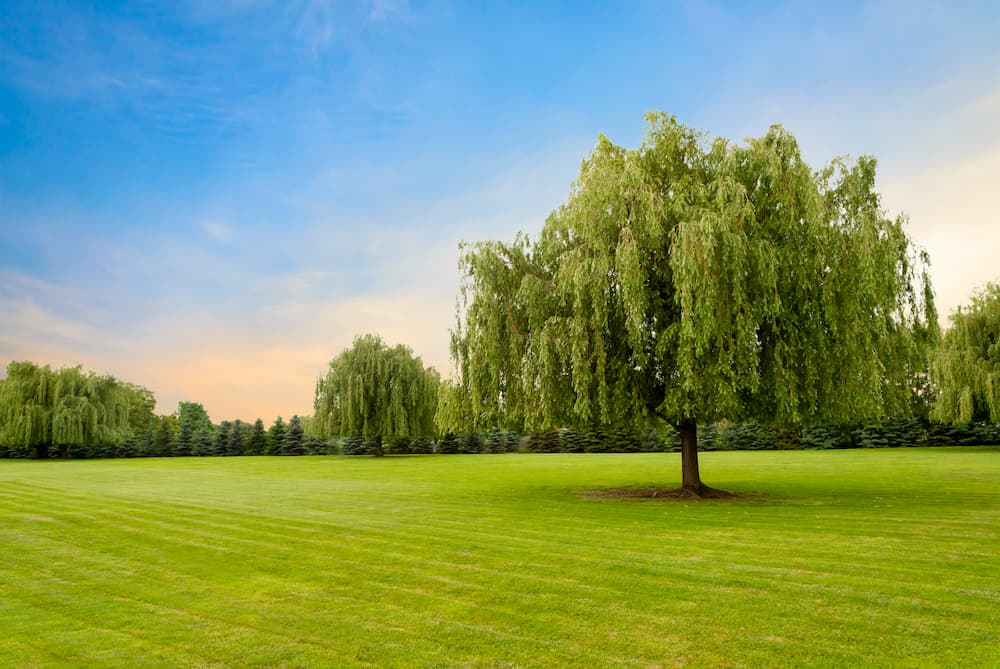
x: 847, y: 558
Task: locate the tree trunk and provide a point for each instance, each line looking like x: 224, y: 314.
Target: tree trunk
x: 378, y: 447
x: 690, y: 477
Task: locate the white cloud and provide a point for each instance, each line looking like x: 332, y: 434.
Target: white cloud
x: 219, y: 231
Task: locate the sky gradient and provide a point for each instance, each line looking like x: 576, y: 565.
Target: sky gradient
x: 212, y: 199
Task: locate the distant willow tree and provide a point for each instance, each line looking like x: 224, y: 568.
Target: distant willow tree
x: 41, y: 407
x: 966, y: 368
x: 688, y: 281
x: 376, y: 391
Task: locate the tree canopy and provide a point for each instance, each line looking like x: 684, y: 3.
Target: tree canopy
x: 376, y: 391
x: 196, y: 431
x: 41, y: 407
x: 691, y: 280
x: 966, y: 367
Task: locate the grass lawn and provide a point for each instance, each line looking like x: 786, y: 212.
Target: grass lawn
x: 843, y: 558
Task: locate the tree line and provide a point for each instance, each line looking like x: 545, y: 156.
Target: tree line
x: 72, y: 413
x: 690, y: 288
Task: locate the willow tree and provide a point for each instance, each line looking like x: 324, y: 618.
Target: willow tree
x: 688, y: 281
x: 41, y: 407
x: 966, y: 367
x: 377, y: 392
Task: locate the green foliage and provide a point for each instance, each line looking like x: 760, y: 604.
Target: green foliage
x: 357, y: 446
x: 376, y: 391
x: 549, y: 441
x: 128, y: 449
x: 256, y: 440
x: 41, y: 407
x: 750, y: 436
x: 221, y: 439
x: 421, y: 445
x: 448, y: 444
x: 293, y: 442
x: 966, y: 367
x: 237, y: 438
x: 276, y: 436
x: 399, y: 446
x: 622, y: 439
x: 501, y: 441
x: 939, y: 434
x: 166, y: 430
x: 822, y: 437
x: 195, y: 432
x: 317, y: 446
x: 693, y: 281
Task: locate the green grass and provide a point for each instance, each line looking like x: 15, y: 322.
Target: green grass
x: 847, y: 558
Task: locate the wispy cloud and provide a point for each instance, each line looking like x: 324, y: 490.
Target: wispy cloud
x: 218, y: 231
x: 383, y: 9
x: 223, y: 324
x: 213, y: 199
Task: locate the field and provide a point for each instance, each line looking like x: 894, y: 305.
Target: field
x: 846, y: 558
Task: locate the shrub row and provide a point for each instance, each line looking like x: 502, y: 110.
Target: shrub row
x: 893, y: 433
x: 133, y: 448
x: 613, y: 440
x: 723, y: 436
x: 752, y: 436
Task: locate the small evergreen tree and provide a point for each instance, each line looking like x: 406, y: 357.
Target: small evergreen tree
x: 164, y: 437
x: 221, y: 442
x: 276, y: 436
x: 145, y: 447
x: 448, y: 444
x: 256, y: 440
x: 237, y: 437
x: 194, y: 429
x: 129, y: 448
x: 293, y: 442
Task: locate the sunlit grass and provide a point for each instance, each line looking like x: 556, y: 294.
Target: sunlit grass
x: 848, y: 558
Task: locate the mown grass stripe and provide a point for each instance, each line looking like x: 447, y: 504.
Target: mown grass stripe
x: 500, y: 561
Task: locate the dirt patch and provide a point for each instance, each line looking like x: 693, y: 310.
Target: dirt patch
x: 662, y: 493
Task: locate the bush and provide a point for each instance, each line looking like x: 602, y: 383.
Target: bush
x: 398, y: 446
x: 939, y: 434
x: 543, y: 442
x: 470, y: 443
x: 422, y: 445
x: 357, y: 446
x: 651, y: 441
x: 499, y: 441
x: 315, y: 446
x: 448, y: 444
x: 77, y: 452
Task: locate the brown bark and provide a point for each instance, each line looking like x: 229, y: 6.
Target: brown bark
x: 378, y: 447
x: 690, y: 477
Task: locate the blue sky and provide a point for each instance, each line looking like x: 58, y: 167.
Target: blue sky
x: 212, y: 198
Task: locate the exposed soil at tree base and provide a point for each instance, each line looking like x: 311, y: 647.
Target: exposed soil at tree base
x: 663, y: 493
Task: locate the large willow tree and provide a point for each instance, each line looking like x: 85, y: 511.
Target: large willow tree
x: 966, y: 367
x: 41, y: 407
x: 688, y: 281
x: 376, y: 391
